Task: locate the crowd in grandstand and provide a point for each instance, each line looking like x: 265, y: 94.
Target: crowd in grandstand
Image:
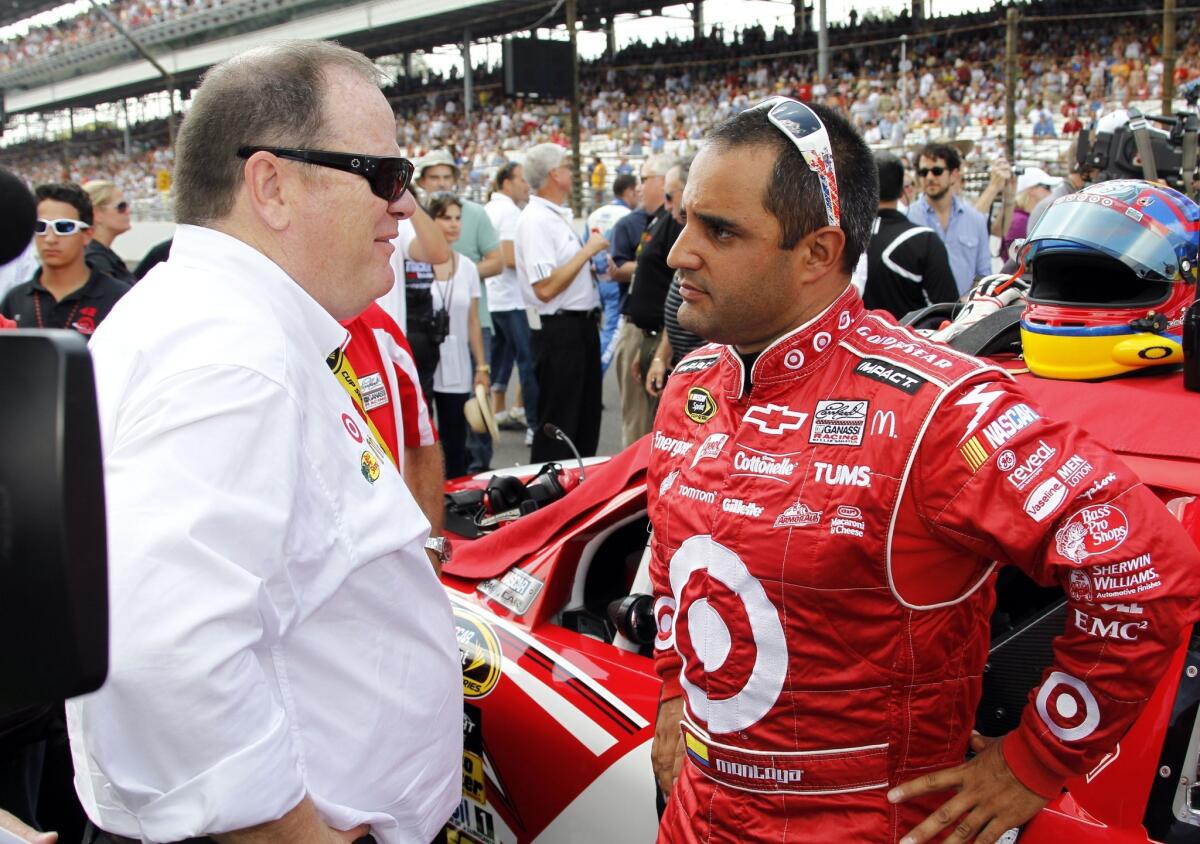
x: 661, y: 97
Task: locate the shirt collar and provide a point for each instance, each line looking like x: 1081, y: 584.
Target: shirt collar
x: 503, y: 198
x: 561, y: 210
x: 224, y: 254
x: 87, y: 290
x: 799, y: 351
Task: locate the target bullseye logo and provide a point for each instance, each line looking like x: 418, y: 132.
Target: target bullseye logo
x: 794, y: 359
x: 822, y: 340
x: 709, y: 636
x: 1067, y: 707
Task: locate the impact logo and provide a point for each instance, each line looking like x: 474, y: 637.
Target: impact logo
x: 479, y: 650
x: 1093, y: 530
x: 889, y: 373
x: 697, y: 364
x: 700, y: 405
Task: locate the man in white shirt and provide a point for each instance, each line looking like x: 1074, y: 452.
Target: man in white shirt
x: 507, y: 301
x: 283, y: 660
x: 556, y: 265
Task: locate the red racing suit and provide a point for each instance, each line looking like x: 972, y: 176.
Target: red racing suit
x: 822, y: 561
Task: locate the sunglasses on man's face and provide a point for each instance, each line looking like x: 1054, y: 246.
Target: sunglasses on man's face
x: 388, y: 176
x: 805, y: 129
x: 61, y: 226
x: 930, y: 171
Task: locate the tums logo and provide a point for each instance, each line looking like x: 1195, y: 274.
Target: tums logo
x: 842, y: 475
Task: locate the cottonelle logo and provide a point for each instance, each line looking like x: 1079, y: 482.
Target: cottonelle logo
x: 763, y: 465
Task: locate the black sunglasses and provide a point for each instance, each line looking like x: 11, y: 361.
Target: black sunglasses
x: 388, y: 177
x: 121, y: 207
x: 925, y: 171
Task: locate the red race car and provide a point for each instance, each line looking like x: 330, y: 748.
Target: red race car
x: 555, y: 624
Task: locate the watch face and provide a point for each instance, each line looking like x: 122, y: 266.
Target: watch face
x: 439, y: 545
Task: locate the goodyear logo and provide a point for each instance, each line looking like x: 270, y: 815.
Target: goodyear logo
x: 701, y: 406
x: 974, y: 453
x: 369, y: 464
x: 480, y: 652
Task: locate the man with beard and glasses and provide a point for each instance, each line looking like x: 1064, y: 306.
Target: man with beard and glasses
x: 961, y: 227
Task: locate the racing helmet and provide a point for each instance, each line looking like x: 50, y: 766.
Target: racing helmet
x: 1114, y: 269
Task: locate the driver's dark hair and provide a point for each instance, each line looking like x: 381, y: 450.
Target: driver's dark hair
x: 793, y: 194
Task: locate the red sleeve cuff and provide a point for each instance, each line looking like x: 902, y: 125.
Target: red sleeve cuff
x: 1030, y: 764
x: 670, y: 689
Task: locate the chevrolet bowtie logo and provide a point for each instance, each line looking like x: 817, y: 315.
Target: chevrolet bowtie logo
x: 774, y: 419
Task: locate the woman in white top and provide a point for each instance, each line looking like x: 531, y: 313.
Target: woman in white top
x: 455, y: 289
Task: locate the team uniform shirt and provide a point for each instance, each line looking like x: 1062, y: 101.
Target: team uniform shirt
x: 31, y: 305
x: 966, y: 238
x: 458, y: 295
x: 276, y: 630
x: 822, y: 561
x: 907, y: 266
x: 388, y: 382
x: 504, y: 291
x: 651, y: 278
x: 545, y: 240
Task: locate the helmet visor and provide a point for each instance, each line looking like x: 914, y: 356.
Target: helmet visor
x: 1113, y: 228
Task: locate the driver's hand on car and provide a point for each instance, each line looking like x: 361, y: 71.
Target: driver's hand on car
x: 990, y: 799
x: 11, y: 823
x: 666, y: 752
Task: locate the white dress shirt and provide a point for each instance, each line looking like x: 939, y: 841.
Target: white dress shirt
x: 276, y: 628
x: 546, y: 239
x: 504, y: 291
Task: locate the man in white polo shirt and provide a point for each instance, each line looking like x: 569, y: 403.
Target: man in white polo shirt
x: 556, y: 264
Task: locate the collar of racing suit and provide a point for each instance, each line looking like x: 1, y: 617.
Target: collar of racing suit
x: 796, y: 352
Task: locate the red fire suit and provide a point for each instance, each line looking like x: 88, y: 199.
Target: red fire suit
x: 822, y: 563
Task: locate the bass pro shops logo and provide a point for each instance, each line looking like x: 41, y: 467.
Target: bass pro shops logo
x: 700, y: 405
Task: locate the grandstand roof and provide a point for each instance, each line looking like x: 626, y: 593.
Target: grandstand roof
x: 12, y: 11
x: 376, y: 28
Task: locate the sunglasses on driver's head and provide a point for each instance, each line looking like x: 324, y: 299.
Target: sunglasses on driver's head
x: 62, y: 226
x: 805, y: 129
x: 926, y: 171
x: 388, y: 176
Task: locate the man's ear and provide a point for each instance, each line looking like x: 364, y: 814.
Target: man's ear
x: 819, y: 253
x: 266, y: 189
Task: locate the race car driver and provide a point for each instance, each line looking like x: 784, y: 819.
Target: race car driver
x: 828, y: 493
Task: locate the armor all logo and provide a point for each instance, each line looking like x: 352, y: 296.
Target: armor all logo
x: 704, y: 638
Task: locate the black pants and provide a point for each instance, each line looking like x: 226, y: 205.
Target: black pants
x: 566, y: 358
x: 452, y: 430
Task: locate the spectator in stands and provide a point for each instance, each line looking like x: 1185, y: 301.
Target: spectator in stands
x: 1033, y: 185
x: 479, y: 242
x: 603, y: 219
x: 598, y: 174
x: 675, y: 341
x: 642, y: 323
x: 455, y: 291
x: 963, y: 229
x: 907, y: 265
x: 554, y: 264
x: 112, y: 219
x: 507, y: 302
x: 65, y: 292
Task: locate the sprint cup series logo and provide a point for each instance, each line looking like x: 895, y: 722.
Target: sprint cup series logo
x: 701, y: 406
x: 480, y: 652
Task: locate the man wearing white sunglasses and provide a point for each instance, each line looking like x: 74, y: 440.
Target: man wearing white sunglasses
x: 65, y: 292
x: 826, y: 517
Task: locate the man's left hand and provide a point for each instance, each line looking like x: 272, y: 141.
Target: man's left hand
x: 990, y: 799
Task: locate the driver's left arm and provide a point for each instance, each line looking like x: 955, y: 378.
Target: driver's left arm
x: 1063, y: 509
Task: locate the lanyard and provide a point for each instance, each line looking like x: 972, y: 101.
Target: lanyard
x: 344, y: 372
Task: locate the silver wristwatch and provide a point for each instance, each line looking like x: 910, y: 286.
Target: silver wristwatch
x: 440, y: 546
